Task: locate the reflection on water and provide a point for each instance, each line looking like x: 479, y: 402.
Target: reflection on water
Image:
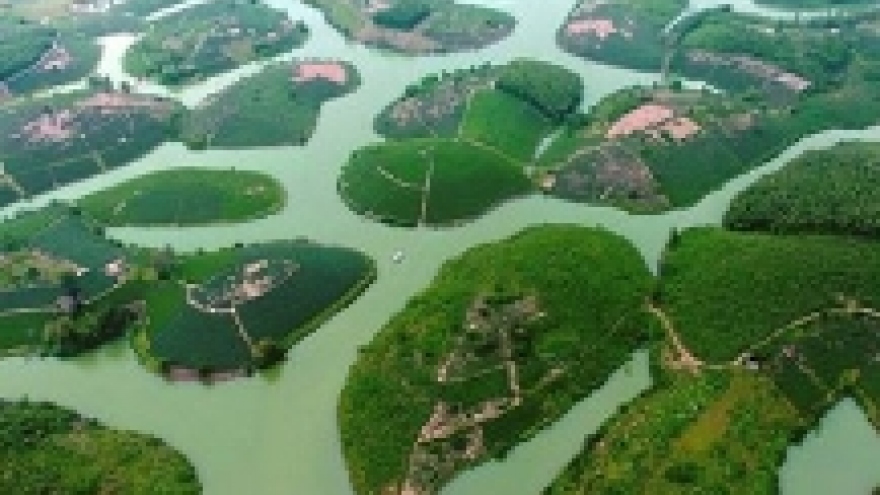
x: 278, y: 434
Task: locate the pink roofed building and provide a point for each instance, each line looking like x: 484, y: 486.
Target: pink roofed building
x: 329, y: 71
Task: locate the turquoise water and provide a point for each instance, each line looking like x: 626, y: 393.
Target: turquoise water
x: 278, y: 435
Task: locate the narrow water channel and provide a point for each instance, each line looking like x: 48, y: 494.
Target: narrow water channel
x: 278, y: 434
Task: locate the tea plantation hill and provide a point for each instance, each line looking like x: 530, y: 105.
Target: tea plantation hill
x: 417, y: 26
x: 771, y: 331
x: 278, y: 106
x: 815, y: 4
x: 34, y: 56
x: 51, y: 141
x: 508, y: 337
x: 460, y: 143
x: 211, y: 38
x: 166, y: 198
x: 49, y: 449
x: 229, y: 312
x: 67, y: 289
x: 652, y: 149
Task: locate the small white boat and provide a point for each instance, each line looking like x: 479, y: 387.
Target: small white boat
x: 398, y: 257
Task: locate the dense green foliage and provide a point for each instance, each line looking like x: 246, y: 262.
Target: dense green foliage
x: 830, y: 191
x: 727, y: 291
x: 813, y: 4
x: 186, y: 197
x: 267, y: 109
x: 403, y: 14
x: 211, y: 38
x: 80, y: 56
x: 588, y: 285
x: 48, y: 449
x: 554, y: 90
x: 717, y: 432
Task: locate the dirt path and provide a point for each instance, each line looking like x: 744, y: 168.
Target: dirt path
x: 426, y: 190
x: 396, y: 181
x: 684, y: 359
x: 239, y: 325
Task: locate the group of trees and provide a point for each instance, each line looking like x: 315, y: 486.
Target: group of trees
x: 554, y: 90
x: 404, y: 14
x: 22, y: 43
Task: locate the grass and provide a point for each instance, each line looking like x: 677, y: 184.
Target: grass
x: 717, y: 432
x: 166, y: 198
x: 505, y: 123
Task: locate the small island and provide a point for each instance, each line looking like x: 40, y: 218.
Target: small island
x: 167, y: 198
x: 278, y: 106
x: 459, y: 144
x: 49, y: 449
x: 66, y: 288
x: 506, y: 339
x: 417, y: 26
x: 751, y: 360
x: 51, y: 141
x: 211, y: 38
x: 220, y: 315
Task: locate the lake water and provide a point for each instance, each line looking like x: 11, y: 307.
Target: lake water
x: 278, y: 434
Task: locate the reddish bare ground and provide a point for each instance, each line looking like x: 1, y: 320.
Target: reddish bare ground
x: 55, y: 126
x: 601, y: 28
x: 652, y: 118
x: 329, y: 71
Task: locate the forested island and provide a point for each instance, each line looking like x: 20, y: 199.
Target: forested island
x: 417, y: 26
x: 460, y: 143
x: 67, y: 288
x: 650, y: 149
x: 49, y: 449
x: 278, y: 106
x: 167, y: 198
x: 211, y: 38
x: 508, y: 337
x: 764, y: 334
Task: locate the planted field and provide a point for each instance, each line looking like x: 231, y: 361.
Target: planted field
x: 505, y: 122
x: 278, y: 106
x: 416, y: 26
x: 727, y: 291
x: 717, y: 432
x: 166, y: 198
x: 496, y: 348
x: 825, y: 192
x: 48, y: 449
x: 428, y: 181
x: 49, y: 142
x: 212, y: 38
x: 247, y: 306
x: 463, y: 143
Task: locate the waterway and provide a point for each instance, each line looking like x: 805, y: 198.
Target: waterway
x: 278, y: 434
